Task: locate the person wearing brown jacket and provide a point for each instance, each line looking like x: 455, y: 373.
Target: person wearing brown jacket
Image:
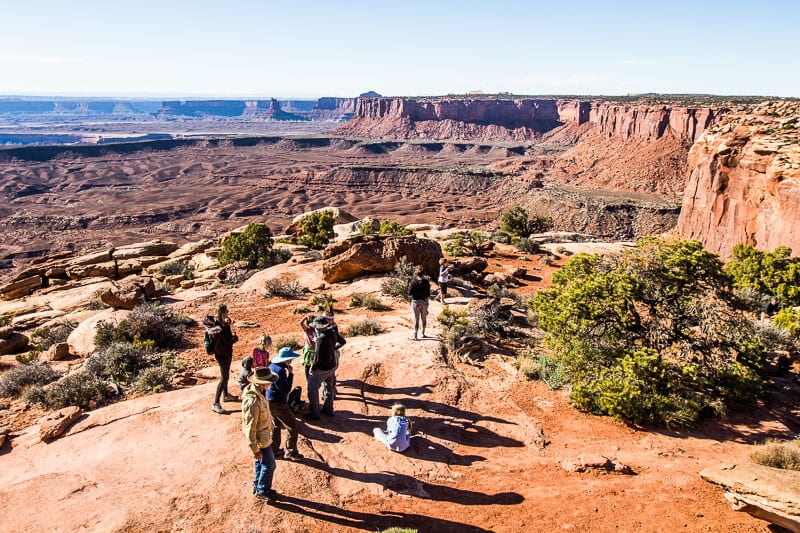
x: 257, y: 426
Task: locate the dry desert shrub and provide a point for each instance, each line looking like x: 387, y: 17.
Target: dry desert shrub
x: 279, y: 341
x: 366, y: 300
x: 19, y: 378
x: 289, y: 290
x: 363, y: 328
x: 778, y: 454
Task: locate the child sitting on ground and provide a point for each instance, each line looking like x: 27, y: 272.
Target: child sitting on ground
x: 396, y: 437
x: 260, y: 358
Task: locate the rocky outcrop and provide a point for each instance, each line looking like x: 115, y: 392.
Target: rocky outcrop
x: 129, y: 293
x: 55, y: 424
x: 373, y: 254
x: 12, y: 342
x: 769, y: 494
x: 744, y: 182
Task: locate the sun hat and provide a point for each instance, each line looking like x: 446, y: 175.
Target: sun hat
x: 285, y: 354
x: 320, y: 323
x: 262, y: 375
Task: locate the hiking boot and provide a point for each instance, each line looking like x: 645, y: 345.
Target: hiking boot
x: 296, y: 456
x: 217, y: 408
x: 328, y: 412
x: 279, y: 454
x: 269, y: 497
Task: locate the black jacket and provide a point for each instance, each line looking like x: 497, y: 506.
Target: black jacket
x: 419, y: 289
x: 328, y: 341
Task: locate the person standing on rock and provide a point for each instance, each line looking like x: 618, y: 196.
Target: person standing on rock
x: 420, y: 290
x: 257, y: 426
x: 219, y: 327
x: 444, y: 279
x: 278, y: 397
x: 323, y: 368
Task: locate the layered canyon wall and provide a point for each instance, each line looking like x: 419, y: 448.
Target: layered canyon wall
x: 520, y: 119
x: 744, y: 181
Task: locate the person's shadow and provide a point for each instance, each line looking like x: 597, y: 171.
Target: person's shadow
x: 404, y: 484
x: 371, y: 522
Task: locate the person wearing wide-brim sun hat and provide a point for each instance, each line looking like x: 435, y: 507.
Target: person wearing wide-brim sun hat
x: 278, y: 397
x: 323, y: 367
x: 257, y: 426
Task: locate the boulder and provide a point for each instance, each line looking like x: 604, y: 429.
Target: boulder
x: 13, y: 343
x: 517, y: 271
x: 187, y: 284
x: 372, y: 254
x: 144, y: 249
x: 594, y: 461
x: 174, y: 281
x: 129, y: 292
x: 769, y: 494
x: 107, y: 269
x: 203, y: 262
x: 422, y: 227
x: 4, y: 431
x: 191, y: 248
x: 81, y: 340
x: 20, y: 288
x: 55, y: 424
x: 57, y: 352
x: 466, y: 265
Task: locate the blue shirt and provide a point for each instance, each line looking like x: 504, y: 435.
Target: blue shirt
x: 397, y: 433
x: 279, y: 391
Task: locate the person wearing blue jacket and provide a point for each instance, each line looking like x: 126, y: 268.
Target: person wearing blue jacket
x: 398, y: 427
x: 278, y: 397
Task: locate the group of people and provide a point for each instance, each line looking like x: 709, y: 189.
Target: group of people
x: 269, y: 398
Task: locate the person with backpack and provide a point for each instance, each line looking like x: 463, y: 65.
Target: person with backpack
x: 219, y: 340
x: 257, y: 426
x: 323, y: 368
x: 278, y: 397
x: 420, y: 290
x: 259, y: 358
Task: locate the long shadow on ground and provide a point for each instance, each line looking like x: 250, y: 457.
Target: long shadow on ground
x: 404, y: 484
x: 371, y: 522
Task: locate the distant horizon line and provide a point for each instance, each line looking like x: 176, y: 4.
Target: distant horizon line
x: 317, y: 96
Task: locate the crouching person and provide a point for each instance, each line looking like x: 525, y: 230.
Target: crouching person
x: 257, y: 426
x: 396, y: 437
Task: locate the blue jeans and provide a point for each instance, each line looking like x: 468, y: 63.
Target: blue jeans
x: 265, y: 469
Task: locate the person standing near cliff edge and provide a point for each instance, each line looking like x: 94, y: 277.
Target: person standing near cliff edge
x: 420, y: 290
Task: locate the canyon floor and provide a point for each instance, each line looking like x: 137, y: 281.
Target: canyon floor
x: 486, y: 456
x: 84, y: 197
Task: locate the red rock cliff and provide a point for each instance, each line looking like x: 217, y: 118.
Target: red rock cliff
x: 520, y: 119
x: 744, y: 181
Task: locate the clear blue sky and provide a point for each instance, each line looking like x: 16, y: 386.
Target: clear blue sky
x: 345, y: 47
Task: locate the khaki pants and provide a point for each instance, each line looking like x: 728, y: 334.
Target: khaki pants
x: 283, y: 417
